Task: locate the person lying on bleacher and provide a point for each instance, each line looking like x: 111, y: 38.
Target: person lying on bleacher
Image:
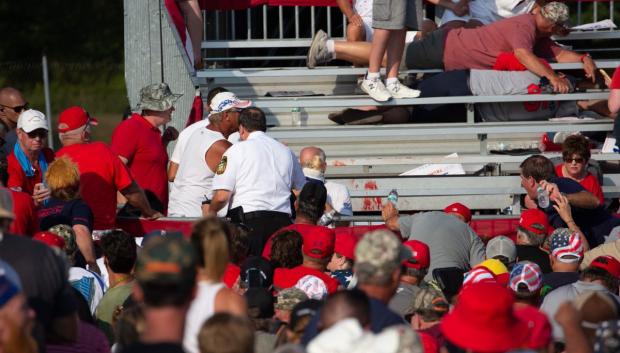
x: 478, y: 48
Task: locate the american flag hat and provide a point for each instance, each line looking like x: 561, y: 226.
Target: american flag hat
x: 566, y: 246
x: 478, y: 275
x: 525, y: 277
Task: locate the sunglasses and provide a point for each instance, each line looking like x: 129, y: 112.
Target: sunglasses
x: 37, y: 133
x: 18, y: 109
x: 576, y: 160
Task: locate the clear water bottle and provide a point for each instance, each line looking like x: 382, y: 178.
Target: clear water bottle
x: 296, y: 116
x: 543, y: 197
x: 393, y: 197
x: 327, y: 218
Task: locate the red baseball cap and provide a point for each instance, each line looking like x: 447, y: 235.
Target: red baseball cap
x: 420, y: 255
x: 345, y: 245
x: 319, y: 243
x: 534, y: 221
x: 73, y: 118
x: 607, y: 263
x: 538, y: 324
x: 484, y: 320
x: 459, y: 208
x: 51, y: 239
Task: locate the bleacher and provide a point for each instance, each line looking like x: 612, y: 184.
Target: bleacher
x: 260, y: 50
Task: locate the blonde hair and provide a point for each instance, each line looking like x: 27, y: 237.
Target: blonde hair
x: 210, y: 240
x: 63, y: 179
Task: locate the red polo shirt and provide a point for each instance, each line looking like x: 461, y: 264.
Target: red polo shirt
x: 102, y: 173
x: 18, y: 179
x: 140, y: 143
x: 288, y: 277
x: 25, y: 222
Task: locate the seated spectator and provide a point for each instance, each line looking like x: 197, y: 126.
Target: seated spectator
x: 493, y: 328
x: 460, y: 211
x: 412, y: 275
x: 317, y: 249
x: 340, y: 266
x: 576, y: 155
x: 119, y: 254
x: 314, y: 163
x: 565, y: 258
x: 571, y: 205
x: 286, y: 249
x: 16, y: 317
x: 531, y: 233
x: 28, y: 161
x: 503, y: 249
x: 426, y: 309
x: 65, y: 206
x: 211, y: 296
x: 260, y: 304
x: 225, y: 333
x: 525, y: 282
x: 25, y: 212
x: 452, y: 243
x: 603, y: 275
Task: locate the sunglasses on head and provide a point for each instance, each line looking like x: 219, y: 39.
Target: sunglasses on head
x: 18, y: 109
x: 37, y: 133
x: 576, y: 160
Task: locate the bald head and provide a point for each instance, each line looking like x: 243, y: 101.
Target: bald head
x: 313, y: 158
x: 11, y: 104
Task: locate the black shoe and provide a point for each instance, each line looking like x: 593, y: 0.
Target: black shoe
x: 356, y: 117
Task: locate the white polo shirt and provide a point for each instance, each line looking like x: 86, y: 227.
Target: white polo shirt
x: 260, y: 172
x: 192, y: 184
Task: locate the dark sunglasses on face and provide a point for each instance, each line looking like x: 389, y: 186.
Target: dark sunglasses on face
x: 576, y: 160
x: 37, y: 133
x: 18, y: 109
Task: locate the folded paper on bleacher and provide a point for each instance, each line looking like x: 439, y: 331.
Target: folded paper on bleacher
x: 604, y: 24
x: 438, y: 168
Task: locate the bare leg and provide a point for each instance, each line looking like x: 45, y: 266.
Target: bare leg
x: 380, y: 41
x: 395, y: 48
x: 356, y: 53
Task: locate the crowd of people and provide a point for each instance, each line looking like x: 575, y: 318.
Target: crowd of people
x: 266, y: 267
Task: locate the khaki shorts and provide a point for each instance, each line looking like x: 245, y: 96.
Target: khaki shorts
x: 389, y: 14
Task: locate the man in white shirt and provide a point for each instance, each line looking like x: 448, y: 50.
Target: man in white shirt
x: 313, y: 162
x: 257, y: 176
x: 191, y: 190
x: 219, y: 100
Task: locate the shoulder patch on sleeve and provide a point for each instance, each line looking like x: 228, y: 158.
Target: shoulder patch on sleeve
x: 221, y: 167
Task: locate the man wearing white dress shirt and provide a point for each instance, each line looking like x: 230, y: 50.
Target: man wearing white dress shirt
x: 257, y: 175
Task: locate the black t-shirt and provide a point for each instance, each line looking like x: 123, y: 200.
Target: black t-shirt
x: 65, y: 212
x: 555, y: 280
x: 44, y: 280
x: 594, y: 223
x: 140, y: 347
x: 535, y: 255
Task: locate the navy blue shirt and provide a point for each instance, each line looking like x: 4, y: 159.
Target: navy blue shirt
x: 65, y: 212
x: 594, y: 223
x: 380, y: 317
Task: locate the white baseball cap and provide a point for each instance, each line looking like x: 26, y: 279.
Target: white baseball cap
x: 227, y: 100
x: 30, y: 120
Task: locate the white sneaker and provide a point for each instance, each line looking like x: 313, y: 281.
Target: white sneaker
x: 398, y: 90
x: 376, y: 90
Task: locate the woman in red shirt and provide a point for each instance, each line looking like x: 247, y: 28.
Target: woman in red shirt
x: 576, y: 154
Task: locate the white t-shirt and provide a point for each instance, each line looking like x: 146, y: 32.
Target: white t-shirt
x: 184, y: 136
x: 89, y: 284
x: 489, y: 11
x: 201, y: 309
x: 260, y: 172
x: 192, y: 184
x: 338, y: 196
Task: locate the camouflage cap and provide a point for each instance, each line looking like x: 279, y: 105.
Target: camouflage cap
x: 157, y: 97
x: 166, y: 260
x: 428, y: 302
x: 289, y: 297
x: 380, y: 252
x: 556, y: 12
x: 66, y: 232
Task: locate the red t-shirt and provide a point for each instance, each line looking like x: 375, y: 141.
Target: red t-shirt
x: 102, y: 173
x: 615, y: 79
x: 478, y: 48
x: 18, y: 179
x: 302, y: 229
x: 140, y: 143
x: 589, y: 183
x: 287, y: 278
x: 231, y: 274
x: 25, y: 222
